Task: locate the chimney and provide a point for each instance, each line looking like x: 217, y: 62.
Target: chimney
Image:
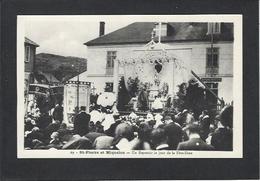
x: 101, y: 28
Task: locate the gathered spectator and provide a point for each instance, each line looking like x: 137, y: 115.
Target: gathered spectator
x: 53, y: 127
x: 203, y: 114
x: 144, y: 132
x: 91, y: 126
x: 81, y: 122
x: 123, y: 135
x: 204, y: 127
x: 103, y: 143
x: 174, y: 133
x: 93, y: 135
x: 159, y: 139
x: 58, y: 113
x: 168, y: 130
x: 112, y: 128
x: 99, y: 127
x: 222, y: 138
x: 194, y: 142
x: 168, y: 119
x: 78, y: 142
x: 64, y: 133
x: 28, y: 124
x: 55, y: 141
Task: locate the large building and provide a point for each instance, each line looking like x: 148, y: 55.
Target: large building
x: 206, y: 48
x: 29, y: 59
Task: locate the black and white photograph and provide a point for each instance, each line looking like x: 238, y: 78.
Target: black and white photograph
x: 121, y: 86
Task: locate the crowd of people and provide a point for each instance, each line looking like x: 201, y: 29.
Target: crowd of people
x: 107, y: 129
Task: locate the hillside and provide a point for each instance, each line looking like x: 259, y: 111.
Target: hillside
x: 63, y: 68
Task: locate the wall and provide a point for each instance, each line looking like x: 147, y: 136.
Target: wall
x: 225, y: 89
x: 193, y: 54
x: 29, y: 66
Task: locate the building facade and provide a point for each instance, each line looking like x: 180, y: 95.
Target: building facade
x: 206, y: 49
x: 29, y: 59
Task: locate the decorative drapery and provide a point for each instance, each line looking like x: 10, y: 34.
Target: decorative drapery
x: 156, y: 69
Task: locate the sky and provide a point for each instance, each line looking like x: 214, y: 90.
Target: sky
x: 65, y: 36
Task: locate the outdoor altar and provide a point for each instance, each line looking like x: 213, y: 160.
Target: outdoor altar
x: 155, y: 70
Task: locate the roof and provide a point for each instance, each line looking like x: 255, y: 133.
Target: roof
x: 140, y: 32
x: 28, y: 41
x: 82, y: 77
x: 50, y: 78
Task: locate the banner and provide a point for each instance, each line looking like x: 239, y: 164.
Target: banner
x: 70, y: 99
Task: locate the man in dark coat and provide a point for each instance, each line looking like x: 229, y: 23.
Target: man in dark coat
x: 194, y: 142
x: 58, y: 113
x: 159, y: 139
x: 174, y: 133
x: 222, y: 138
x: 81, y: 122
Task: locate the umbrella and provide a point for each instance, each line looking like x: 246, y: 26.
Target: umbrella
x: 106, y: 99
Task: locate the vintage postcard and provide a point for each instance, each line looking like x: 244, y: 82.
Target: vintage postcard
x: 129, y: 86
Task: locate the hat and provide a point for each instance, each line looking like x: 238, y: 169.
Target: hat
x: 184, y: 111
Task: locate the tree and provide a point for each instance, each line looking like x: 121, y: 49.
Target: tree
x: 195, y: 97
x: 190, y: 96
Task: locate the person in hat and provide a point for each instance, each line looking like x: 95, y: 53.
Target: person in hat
x: 194, y: 142
x: 81, y: 122
x: 143, y: 139
x: 58, y: 112
x: 204, y: 127
x: 222, y: 138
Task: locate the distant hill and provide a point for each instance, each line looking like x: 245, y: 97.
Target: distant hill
x: 63, y: 68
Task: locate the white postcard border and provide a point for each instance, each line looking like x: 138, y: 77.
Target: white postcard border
x: 237, y: 90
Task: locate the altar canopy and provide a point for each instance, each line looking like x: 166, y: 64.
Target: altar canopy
x: 157, y: 67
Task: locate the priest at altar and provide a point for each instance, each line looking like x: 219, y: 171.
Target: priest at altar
x: 157, y: 105
x: 143, y: 100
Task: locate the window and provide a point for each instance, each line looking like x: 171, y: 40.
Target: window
x: 212, y: 57
x: 109, y: 87
x: 27, y: 54
x: 214, y: 28
x: 111, y: 55
x: 163, y: 29
x: 212, y: 62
